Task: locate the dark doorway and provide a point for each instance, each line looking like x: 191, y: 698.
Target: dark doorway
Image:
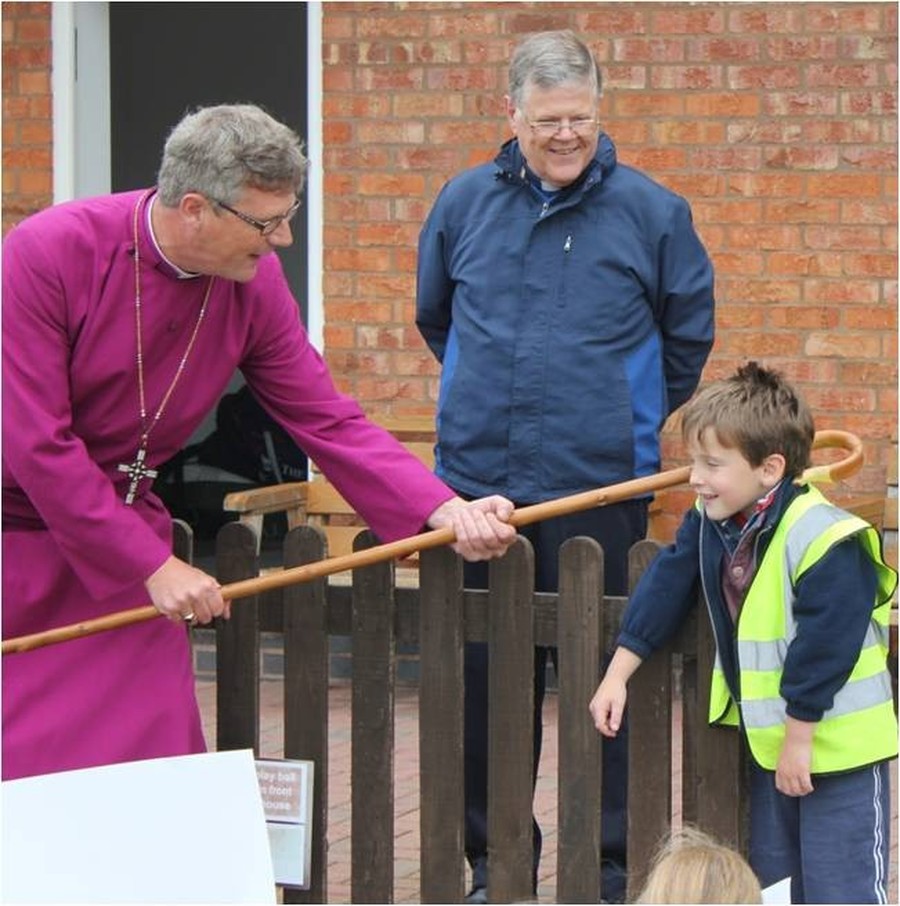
x: 168, y: 58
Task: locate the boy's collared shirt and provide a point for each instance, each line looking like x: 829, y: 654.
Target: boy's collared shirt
x: 739, y: 534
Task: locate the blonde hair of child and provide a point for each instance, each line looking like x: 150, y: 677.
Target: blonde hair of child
x: 691, y: 867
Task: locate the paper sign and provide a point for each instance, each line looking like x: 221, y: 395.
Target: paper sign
x: 779, y: 892
x: 286, y: 790
x: 189, y: 829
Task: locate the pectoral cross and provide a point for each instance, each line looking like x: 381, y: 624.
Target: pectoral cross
x: 136, y: 472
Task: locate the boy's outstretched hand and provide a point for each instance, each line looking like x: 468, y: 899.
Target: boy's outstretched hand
x: 608, y: 704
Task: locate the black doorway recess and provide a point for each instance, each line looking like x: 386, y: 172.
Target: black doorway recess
x: 168, y: 58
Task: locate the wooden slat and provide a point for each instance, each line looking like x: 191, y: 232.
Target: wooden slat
x: 237, y: 644
x: 182, y: 540
x: 580, y: 765
x: 650, y: 742
x: 720, y: 809
x: 408, y: 427
x: 306, y: 696
x: 372, y: 733
x: 441, y: 762
x: 270, y: 499
x: 510, y: 724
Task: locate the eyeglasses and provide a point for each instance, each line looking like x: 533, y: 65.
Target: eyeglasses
x: 582, y: 126
x: 265, y: 227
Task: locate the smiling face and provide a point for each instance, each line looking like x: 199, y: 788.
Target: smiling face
x: 558, y: 160
x: 725, y: 480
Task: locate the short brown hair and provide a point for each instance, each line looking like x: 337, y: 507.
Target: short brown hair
x: 757, y: 412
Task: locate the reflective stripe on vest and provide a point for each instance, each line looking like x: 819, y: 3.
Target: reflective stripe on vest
x: 860, y: 727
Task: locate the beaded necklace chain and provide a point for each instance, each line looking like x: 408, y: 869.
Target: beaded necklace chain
x: 138, y: 469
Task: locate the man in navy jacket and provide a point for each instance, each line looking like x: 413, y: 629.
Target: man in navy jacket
x: 570, y: 303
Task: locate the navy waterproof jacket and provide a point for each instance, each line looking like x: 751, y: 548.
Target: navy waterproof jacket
x: 567, y: 331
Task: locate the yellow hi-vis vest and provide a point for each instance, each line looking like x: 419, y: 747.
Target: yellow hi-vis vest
x: 860, y: 728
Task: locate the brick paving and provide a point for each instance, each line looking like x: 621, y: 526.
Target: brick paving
x: 406, y: 776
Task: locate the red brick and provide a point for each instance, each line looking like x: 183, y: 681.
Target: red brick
x: 802, y: 210
x: 764, y: 17
x: 427, y: 104
x: 390, y: 78
x: 648, y: 50
x: 842, y: 292
x: 870, y: 265
x: 800, y: 103
x: 802, y: 48
x: 800, y: 264
x: 722, y: 104
x: 687, y: 20
x: 867, y: 103
x: 769, y: 185
x: 744, y: 264
x: 867, y: 373
x: 776, y: 78
x: 355, y: 106
x: 354, y: 156
x: 796, y: 317
x: 839, y: 346
x: 464, y: 23
x: 391, y: 233
x: 883, y: 318
x: 844, y: 185
x: 841, y: 237
x: 383, y: 21
x: 756, y: 345
x: 845, y: 17
x: 869, y: 158
x: 701, y: 78
x: 402, y: 184
x: 613, y: 19
x: 722, y: 49
x: 740, y: 158
x: 738, y: 317
x: 646, y: 104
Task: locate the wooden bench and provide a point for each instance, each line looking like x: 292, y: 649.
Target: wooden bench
x: 317, y: 501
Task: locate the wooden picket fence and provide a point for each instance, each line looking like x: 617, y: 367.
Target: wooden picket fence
x: 439, y: 616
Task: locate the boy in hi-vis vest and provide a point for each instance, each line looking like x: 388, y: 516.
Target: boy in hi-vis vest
x: 798, y: 595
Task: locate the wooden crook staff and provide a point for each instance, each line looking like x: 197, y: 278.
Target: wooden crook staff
x: 562, y: 506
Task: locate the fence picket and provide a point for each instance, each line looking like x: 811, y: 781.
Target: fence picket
x: 441, y: 637
x: 306, y: 695
x: 237, y: 644
x: 579, y: 764
x: 372, y: 734
x: 510, y: 722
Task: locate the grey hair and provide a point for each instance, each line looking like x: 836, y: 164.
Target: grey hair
x: 218, y: 151
x: 548, y: 59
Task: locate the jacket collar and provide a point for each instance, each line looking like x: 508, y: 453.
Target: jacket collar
x: 512, y: 166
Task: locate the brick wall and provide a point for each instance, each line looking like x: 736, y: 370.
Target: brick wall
x: 27, y: 110
x: 777, y: 121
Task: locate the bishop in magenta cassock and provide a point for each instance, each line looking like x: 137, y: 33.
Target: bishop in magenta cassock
x: 85, y: 287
